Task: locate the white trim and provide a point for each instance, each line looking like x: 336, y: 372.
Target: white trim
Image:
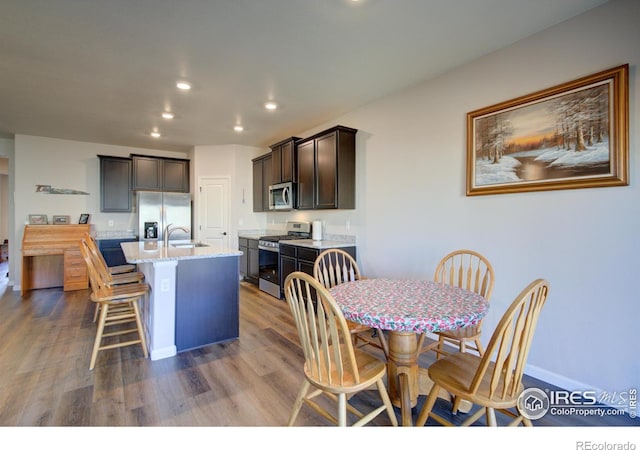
x: 558, y: 380
x: 161, y: 353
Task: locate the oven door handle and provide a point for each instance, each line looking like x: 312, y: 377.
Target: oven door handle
x: 269, y: 249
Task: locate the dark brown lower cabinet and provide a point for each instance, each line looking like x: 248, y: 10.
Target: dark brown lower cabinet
x: 250, y: 260
x: 294, y: 258
x: 112, y: 251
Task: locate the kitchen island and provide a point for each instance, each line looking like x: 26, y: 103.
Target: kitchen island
x: 194, y: 293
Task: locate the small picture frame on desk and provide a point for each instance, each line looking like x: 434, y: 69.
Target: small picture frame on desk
x: 38, y: 219
x: 84, y: 219
x: 61, y: 220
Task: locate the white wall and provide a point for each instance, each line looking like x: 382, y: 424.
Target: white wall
x: 234, y: 162
x: 412, y: 208
x: 65, y: 164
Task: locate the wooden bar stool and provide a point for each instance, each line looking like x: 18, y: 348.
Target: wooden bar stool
x: 118, y: 306
x: 119, y: 275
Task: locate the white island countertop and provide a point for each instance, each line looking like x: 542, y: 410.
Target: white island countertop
x: 153, y: 251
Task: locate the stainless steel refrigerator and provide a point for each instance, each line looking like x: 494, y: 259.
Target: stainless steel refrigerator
x: 156, y: 210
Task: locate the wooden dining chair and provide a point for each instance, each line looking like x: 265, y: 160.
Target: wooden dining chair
x: 333, y: 267
x: 493, y: 380
x: 469, y: 270
x: 332, y: 366
x: 118, y: 306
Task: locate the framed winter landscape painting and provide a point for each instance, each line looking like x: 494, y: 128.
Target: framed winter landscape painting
x: 570, y: 136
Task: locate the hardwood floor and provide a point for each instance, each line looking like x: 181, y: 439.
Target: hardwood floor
x: 45, y: 346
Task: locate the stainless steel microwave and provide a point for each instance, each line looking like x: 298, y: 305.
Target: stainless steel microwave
x: 281, y: 196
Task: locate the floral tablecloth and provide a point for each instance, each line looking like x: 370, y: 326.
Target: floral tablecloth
x: 409, y: 305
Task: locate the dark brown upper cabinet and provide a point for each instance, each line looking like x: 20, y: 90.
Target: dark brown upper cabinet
x: 326, y: 170
x: 306, y: 190
x: 115, y: 184
x: 283, y: 161
x: 160, y: 174
x: 262, y: 173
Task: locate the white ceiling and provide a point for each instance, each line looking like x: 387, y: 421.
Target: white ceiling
x: 104, y: 70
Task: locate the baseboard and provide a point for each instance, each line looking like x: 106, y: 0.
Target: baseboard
x: 161, y: 353
x: 558, y: 380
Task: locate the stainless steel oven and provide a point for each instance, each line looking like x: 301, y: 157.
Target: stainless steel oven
x: 269, y: 265
x: 269, y: 256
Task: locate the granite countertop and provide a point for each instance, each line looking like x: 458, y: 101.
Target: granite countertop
x: 319, y: 245
x: 114, y: 234
x: 330, y: 241
x: 258, y: 234
x: 153, y: 251
x: 251, y: 235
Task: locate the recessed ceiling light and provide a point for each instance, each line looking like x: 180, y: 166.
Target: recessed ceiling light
x: 238, y: 128
x: 167, y: 115
x: 155, y: 134
x: 271, y: 105
x: 183, y: 85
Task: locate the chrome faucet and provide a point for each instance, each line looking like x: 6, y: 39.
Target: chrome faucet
x: 168, y: 230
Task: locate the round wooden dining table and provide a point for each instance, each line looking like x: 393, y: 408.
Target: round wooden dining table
x: 407, y: 308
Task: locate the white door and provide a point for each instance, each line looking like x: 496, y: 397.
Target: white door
x: 213, y: 217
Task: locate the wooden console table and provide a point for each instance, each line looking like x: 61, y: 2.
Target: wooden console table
x: 51, y: 257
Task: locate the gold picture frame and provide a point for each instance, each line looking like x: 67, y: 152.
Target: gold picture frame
x: 574, y: 135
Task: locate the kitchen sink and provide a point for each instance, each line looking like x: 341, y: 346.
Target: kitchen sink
x: 189, y: 245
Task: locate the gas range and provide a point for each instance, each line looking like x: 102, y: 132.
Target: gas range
x: 269, y: 260
x: 295, y: 230
x: 272, y: 242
